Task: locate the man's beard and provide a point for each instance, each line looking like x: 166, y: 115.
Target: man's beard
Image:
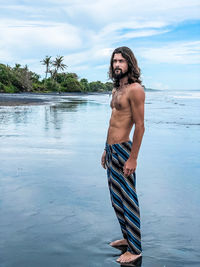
x: 119, y: 76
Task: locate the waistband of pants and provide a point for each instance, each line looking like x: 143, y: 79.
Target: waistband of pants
x: 107, y: 146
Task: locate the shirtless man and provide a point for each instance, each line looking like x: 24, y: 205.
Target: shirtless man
x: 120, y: 154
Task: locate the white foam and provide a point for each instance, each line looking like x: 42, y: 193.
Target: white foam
x: 193, y: 95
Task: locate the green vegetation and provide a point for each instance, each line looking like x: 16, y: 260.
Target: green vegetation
x: 21, y: 79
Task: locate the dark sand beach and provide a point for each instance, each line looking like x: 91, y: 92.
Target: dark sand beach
x: 19, y: 101
x: 31, y: 98
x: 54, y: 200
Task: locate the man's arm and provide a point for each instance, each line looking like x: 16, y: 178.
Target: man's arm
x: 103, y: 157
x: 136, y: 99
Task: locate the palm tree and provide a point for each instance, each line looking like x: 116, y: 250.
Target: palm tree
x: 53, y: 73
x: 26, y: 68
x: 47, y: 62
x: 58, y: 64
x: 17, y: 66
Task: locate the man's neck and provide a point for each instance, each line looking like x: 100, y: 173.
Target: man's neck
x: 123, y: 82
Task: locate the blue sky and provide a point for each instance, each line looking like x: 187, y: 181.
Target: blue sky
x: 164, y: 35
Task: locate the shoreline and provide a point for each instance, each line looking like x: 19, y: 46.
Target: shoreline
x: 13, y: 100
x: 24, y: 99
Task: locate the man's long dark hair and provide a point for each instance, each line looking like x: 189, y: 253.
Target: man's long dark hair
x: 133, y: 72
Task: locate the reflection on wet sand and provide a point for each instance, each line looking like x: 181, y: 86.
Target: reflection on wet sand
x: 137, y: 263
x: 55, y: 114
x: 69, y: 106
x: 15, y: 115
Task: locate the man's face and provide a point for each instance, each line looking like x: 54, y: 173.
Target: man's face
x: 120, y: 66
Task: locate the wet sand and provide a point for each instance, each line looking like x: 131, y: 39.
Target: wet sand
x: 28, y: 99
x: 54, y: 199
x: 8, y: 101
x: 36, y: 98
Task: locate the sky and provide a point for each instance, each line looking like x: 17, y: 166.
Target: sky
x: 164, y: 36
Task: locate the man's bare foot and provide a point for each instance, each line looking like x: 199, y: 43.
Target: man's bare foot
x: 128, y: 257
x: 118, y: 243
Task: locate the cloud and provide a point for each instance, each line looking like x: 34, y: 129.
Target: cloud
x: 104, y: 66
x: 20, y: 37
x: 176, y: 52
x: 100, y: 13
x: 88, y: 57
x: 137, y: 34
x: 97, y: 14
x: 24, y: 33
x: 86, y: 32
x: 126, y: 30
x: 159, y: 85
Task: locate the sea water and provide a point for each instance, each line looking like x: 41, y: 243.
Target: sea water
x: 55, y: 206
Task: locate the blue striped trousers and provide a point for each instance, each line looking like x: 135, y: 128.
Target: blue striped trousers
x: 123, y: 194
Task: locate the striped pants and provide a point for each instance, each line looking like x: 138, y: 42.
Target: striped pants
x: 123, y: 194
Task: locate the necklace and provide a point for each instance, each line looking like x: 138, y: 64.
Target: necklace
x: 122, y: 86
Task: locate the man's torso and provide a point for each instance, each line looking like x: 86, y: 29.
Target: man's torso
x: 121, y: 121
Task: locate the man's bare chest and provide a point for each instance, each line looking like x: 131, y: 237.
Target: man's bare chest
x: 119, y: 100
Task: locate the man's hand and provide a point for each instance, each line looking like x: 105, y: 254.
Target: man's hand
x: 130, y: 166
x: 103, y: 160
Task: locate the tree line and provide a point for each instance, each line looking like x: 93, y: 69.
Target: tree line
x: 21, y: 79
